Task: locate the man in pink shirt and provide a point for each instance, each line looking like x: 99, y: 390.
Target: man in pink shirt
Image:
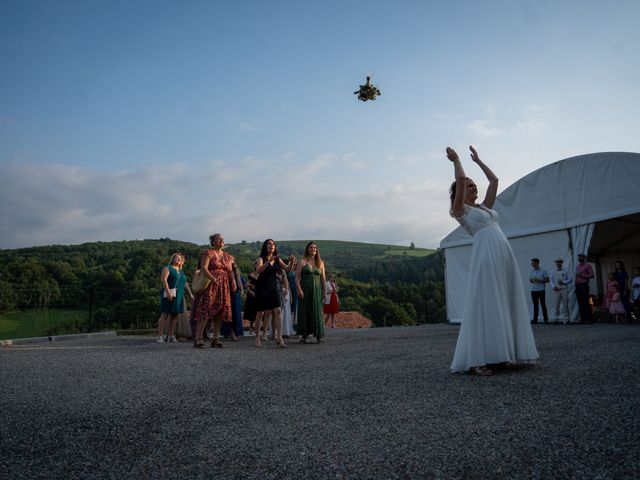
x: 584, y: 273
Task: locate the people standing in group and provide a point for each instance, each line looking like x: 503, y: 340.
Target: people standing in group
x: 622, y: 277
x: 268, y: 302
x: 584, y: 273
x: 174, y: 283
x: 215, y: 301
x: 538, y: 279
x: 234, y: 328
x: 560, y: 279
x: 310, y: 284
x: 331, y: 305
x: 495, y: 325
x: 635, y: 292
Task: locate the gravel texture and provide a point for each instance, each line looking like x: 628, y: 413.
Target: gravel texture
x: 376, y: 403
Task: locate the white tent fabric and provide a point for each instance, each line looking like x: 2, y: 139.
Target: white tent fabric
x: 550, y: 213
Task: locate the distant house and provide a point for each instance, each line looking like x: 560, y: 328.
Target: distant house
x: 352, y: 320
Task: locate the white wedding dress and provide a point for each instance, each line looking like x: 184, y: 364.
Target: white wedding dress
x: 495, y: 324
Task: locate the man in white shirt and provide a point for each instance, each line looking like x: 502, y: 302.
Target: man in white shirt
x: 538, y: 279
x: 560, y: 280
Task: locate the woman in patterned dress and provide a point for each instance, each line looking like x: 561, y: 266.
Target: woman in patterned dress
x: 215, y: 302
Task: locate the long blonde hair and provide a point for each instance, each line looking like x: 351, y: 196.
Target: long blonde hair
x: 316, y: 258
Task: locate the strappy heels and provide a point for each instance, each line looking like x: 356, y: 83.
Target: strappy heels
x: 215, y: 343
x: 198, y: 343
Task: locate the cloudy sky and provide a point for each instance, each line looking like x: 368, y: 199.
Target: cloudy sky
x: 151, y: 118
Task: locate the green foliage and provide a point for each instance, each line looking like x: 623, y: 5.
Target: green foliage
x: 117, y: 284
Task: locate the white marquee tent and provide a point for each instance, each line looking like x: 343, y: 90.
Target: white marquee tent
x: 589, y: 203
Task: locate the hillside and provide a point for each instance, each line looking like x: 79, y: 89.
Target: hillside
x: 339, y: 255
x: 107, y: 285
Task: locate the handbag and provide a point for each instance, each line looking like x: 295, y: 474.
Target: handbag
x: 174, y: 292
x: 200, y: 281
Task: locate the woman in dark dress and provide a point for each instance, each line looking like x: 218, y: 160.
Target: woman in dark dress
x: 267, y: 296
x: 249, y: 313
x: 234, y: 329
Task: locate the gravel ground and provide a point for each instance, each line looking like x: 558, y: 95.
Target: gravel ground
x: 377, y: 403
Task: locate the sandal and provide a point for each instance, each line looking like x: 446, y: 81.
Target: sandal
x: 481, y: 371
x: 215, y: 343
x: 198, y: 343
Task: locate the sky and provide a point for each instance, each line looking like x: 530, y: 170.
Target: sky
x: 136, y: 119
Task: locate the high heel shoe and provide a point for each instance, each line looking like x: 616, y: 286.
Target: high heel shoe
x: 198, y: 343
x: 281, y: 343
x: 215, y: 343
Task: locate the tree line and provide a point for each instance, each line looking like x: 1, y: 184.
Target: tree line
x: 118, y: 282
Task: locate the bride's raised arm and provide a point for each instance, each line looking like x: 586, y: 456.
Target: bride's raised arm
x: 492, y: 190
x: 457, y: 205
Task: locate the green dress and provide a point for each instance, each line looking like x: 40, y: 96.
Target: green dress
x: 310, y: 319
x: 177, y: 279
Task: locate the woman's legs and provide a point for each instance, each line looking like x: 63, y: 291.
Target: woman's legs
x: 266, y: 322
x: 258, y: 323
x: 200, y: 324
x: 162, y: 322
x: 217, y: 323
x: 277, y: 326
x: 173, y: 320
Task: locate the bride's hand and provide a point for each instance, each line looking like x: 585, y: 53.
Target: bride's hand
x: 452, y: 155
x: 474, y: 154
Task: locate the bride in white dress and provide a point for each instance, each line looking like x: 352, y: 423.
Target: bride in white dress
x: 495, y: 325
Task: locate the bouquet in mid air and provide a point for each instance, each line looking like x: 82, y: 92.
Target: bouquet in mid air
x: 367, y: 91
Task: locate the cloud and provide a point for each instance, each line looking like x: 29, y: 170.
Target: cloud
x: 247, y: 127
x: 483, y: 128
x: 60, y: 204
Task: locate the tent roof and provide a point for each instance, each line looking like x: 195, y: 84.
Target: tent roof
x: 575, y: 191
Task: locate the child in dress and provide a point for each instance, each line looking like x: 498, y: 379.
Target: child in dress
x: 611, y: 281
x: 616, y: 309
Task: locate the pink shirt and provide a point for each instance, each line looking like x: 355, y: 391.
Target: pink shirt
x: 583, y: 273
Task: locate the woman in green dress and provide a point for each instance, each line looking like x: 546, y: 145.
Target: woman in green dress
x: 311, y: 284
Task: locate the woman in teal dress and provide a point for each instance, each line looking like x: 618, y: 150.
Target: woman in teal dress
x: 310, y: 284
x: 174, y: 282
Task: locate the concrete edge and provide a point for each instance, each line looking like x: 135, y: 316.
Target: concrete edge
x: 55, y: 338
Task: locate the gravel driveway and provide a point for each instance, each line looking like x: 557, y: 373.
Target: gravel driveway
x: 375, y: 403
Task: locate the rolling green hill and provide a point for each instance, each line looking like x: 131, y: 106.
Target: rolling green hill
x: 116, y: 284
x: 338, y: 255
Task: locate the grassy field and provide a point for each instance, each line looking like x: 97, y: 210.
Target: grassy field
x: 42, y: 323
x: 330, y: 248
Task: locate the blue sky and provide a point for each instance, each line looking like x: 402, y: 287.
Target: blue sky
x: 146, y: 119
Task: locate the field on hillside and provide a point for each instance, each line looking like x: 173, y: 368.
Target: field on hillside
x: 330, y: 248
